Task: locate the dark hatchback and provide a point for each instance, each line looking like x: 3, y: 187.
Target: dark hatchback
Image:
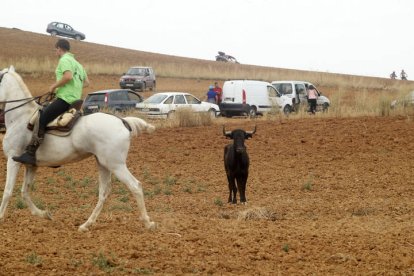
x: 63, y: 29
x: 111, y: 100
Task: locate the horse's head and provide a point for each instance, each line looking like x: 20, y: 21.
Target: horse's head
x: 12, y: 85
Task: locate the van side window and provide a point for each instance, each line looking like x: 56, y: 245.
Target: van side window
x: 287, y: 88
x: 300, y: 89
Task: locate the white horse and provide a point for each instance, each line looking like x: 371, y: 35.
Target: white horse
x: 102, y: 135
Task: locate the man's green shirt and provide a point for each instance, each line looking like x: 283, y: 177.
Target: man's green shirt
x: 72, y: 90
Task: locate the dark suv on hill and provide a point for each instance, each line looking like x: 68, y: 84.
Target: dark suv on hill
x: 138, y: 78
x: 116, y: 100
x: 63, y: 29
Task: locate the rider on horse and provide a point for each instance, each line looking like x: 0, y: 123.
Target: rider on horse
x: 70, y: 79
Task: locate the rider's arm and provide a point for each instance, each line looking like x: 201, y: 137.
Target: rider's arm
x: 67, y: 76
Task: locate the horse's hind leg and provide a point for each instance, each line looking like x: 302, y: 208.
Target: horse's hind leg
x: 125, y: 176
x: 28, y: 181
x: 12, y: 170
x: 104, y: 191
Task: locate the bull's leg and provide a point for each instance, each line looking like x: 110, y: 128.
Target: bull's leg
x: 104, y: 191
x: 232, y: 189
x: 241, y: 184
x: 125, y: 176
x: 12, y: 170
x: 27, y: 183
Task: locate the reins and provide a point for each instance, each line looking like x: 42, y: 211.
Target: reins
x: 49, y: 95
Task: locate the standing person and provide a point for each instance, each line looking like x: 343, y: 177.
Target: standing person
x: 312, y: 98
x: 71, y: 77
x: 393, y: 75
x: 403, y: 75
x: 211, y: 95
x: 218, y: 91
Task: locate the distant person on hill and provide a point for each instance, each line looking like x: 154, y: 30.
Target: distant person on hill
x: 403, y: 75
x: 211, y: 95
x: 312, y: 98
x: 218, y: 91
x: 393, y: 75
x: 71, y: 77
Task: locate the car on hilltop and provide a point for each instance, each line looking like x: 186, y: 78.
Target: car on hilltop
x: 116, y: 100
x: 63, y: 29
x: 165, y: 104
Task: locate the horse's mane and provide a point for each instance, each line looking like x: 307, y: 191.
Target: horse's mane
x: 22, y: 85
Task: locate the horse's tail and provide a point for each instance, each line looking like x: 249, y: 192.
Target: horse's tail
x: 138, y: 125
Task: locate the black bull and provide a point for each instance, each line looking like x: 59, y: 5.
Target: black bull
x: 236, y: 163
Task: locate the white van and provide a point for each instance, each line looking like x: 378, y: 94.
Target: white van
x: 250, y: 97
x: 297, y: 91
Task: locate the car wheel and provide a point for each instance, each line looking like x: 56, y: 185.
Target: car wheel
x: 287, y: 109
x: 53, y: 33
x: 252, y: 112
x: 77, y: 37
x: 325, y: 107
x: 143, y: 87
x: 212, y: 113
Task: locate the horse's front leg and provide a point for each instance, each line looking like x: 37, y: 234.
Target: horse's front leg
x: 12, y: 170
x: 28, y: 182
x: 104, y: 191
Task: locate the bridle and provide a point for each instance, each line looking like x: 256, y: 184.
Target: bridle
x: 38, y: 99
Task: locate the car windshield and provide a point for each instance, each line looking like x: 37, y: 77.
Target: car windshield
x: 136, y: 71
x: 156, y: 99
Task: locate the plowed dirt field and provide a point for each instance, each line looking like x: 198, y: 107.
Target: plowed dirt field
x: 325, y: 196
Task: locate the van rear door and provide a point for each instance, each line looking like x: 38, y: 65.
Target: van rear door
x: 229, y: 92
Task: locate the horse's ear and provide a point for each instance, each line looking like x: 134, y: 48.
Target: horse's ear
x: 11, y: 68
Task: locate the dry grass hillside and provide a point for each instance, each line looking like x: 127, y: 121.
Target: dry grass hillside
x: 33, y: 56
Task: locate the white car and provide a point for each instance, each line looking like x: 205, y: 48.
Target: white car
x: 163, y: 105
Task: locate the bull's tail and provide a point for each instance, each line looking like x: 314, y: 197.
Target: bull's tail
x: 138, y: 125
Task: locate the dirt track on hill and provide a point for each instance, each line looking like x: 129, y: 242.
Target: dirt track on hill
x: 325, y: 196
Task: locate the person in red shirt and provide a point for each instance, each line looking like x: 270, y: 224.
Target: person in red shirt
x: 218, y: 91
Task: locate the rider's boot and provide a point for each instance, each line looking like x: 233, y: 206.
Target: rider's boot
x: 29, y: 156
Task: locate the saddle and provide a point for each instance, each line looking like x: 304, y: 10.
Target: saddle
x: 63, y: 124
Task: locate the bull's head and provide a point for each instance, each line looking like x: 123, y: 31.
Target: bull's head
x: 248, y: 134
x: 238, y: 136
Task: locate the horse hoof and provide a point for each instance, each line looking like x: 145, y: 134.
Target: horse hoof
x: 151, y: 225
x: 83, y: 229
x: 47, y: 215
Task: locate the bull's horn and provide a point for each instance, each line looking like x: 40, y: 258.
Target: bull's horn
x: 254, y: 130
x: 225, y: 133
